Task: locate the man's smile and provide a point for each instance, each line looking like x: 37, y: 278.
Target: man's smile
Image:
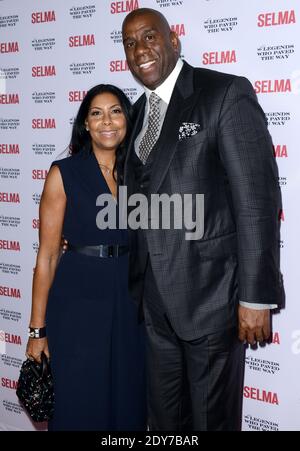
x: 147, y: 65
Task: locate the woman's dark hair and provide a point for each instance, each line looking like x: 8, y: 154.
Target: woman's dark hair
x: 81, y: 140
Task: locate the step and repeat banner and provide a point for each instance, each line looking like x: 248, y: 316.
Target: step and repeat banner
x: 51, y: 53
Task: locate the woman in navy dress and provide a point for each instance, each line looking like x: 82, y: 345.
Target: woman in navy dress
x: 93, y: 337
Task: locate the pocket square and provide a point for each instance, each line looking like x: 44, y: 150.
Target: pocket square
x: 188, y: 129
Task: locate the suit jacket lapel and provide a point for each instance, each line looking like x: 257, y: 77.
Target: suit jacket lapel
x: 128, y: 173
x: 180, y: 108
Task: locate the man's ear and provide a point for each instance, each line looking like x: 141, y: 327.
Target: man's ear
x: 175, y: 40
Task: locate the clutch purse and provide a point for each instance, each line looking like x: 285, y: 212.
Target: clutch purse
x: 35, y: 389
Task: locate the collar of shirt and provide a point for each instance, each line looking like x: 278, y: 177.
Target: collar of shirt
x: 164, y: 91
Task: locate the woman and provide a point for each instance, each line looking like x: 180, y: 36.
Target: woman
x: 95, y: 342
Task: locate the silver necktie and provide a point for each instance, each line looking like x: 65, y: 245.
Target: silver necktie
x: 151, y: 135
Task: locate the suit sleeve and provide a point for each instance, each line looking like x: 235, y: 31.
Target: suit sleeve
x: 246, y: 151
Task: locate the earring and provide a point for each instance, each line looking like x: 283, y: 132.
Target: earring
x: 87, y: 129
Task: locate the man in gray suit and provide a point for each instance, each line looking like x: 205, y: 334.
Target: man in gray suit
x: 200, y: 131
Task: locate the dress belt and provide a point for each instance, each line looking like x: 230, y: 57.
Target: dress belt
x: 102, y: 250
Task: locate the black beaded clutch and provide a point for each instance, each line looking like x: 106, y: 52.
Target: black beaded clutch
x: 35, y: 389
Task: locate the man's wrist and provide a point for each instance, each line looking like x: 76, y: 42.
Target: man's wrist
x: 257, y: 306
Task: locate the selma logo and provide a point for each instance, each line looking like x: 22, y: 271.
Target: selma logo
x: 9, y: 149
x: 223, y: 57
x: 43, y: 16
x: 81, y: 40
x: 278, y: 18
x: 10, y: 338
x: 261, y: 395
x: 275, y: 338
x: 118, y: 66
x: 36, y: 223
x: 10, y: 245
x: 10, y: 292
x: 12, y: 198
x: 6, y: 99
x: 43, y: 123
x: 280, y: 151
x: 9, y: 383
x: 179, y: 29
x: 43, y: 71
x: 39, y: 174
x: 270, y: 86
x: 77, y: 96
x: 123, y: 7
x: 9, y: 47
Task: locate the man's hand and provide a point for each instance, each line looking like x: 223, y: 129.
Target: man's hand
x: 254, y: 325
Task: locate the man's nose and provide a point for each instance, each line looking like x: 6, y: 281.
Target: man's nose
x: 140, y: 47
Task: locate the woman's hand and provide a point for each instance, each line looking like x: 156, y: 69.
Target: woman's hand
x: 34, y: 348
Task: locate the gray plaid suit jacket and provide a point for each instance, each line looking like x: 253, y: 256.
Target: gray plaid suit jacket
x: 231, y: 161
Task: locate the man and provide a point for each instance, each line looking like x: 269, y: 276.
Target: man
x: 203, y: 132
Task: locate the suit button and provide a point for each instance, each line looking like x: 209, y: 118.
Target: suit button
x: 141, y: 185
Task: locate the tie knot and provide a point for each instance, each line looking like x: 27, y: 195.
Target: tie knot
x: 154, y: 99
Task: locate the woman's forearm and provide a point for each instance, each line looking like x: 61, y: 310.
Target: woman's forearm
x: 42, y: 281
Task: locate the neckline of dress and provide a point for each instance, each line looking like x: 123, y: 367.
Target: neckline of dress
x: 104, y: 179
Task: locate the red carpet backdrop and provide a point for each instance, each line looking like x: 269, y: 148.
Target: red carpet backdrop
x: 51, y: 52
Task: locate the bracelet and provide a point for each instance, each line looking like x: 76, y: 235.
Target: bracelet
x: 37, y: 332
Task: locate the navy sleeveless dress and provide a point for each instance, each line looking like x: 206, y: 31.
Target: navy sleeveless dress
x: 96, y: 343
